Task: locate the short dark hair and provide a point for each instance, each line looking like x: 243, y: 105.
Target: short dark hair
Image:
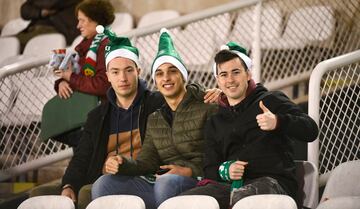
x: 226, y: 55
x: 100, y: 11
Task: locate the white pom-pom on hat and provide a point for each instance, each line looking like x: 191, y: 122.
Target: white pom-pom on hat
x: 224, y: 47
x: 100, y: 29
x: 163, y: 30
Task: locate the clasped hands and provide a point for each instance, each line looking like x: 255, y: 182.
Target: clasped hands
x: 113, y: 162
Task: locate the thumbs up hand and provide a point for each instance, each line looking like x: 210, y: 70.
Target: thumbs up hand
x: 267, y: 120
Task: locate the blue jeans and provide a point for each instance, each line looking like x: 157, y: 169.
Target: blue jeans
x: 165, y: 187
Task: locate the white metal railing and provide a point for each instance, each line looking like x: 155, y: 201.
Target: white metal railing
x: 190, y: 18
x: 273, y: 30
x: 25, y: 87
x: 334, y: 103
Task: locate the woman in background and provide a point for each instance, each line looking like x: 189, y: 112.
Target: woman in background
x: 91, y: 79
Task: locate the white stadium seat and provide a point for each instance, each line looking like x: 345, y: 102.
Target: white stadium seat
x: 47, y: 202
x: 343, y: 181
x: 266, y: 201
x: 341, y: 203
x: 14, y: 26
x: 117, y: 202
x: 156, y: 17
x: 148, y: 45
x: 42, y: 45
x: 271, y: 27
x: 308, y: 26
x: 123, y: 22
x: 190, y: 202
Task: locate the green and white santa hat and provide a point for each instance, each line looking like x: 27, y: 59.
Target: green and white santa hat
x: 239, y: 51
x: 168, y: 54
x: 118, y: 46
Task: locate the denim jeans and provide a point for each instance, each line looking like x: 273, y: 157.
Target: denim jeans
x: 166, y: 186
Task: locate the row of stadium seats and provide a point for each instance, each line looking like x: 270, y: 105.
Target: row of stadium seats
x: 341, y: 191
x: 42, y: 44
x: 300, y: 28
x: 123, y: 22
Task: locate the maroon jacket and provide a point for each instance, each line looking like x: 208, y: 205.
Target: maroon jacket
x: 96, y: 85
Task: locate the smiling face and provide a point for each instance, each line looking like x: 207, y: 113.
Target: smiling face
x: 123, y: 75
x: 169, y: 81
x: 232, y: 79
x: 86, y: 26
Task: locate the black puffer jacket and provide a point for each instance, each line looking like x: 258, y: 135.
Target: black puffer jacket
x: 233, y: 134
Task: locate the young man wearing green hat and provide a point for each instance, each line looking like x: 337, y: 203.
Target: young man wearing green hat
x: 174, y: 138
x: 248, y: 142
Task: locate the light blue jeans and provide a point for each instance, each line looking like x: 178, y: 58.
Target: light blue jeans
x: 165, y: 187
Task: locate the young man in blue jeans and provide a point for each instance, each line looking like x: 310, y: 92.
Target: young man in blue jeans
x: 174, y: 138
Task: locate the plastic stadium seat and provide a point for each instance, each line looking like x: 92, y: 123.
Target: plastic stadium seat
x: 270, y: 29
x: 10, y: 46
x: 307, y: 175
x: 117, y: 202
x: 47, y: 202
x: 308, y: 25
x: 341, y: 203
x: 14, y: 26
x: 156, y: 17
x: 123, y: 22
x: 43, y: 44
x: 190, y: 202
x: 267, y: 201
x: 343, y: 181
x: 148, y: 45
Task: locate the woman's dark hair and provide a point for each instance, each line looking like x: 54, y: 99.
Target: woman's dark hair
x: 226, y: 55
x: 100, y: 11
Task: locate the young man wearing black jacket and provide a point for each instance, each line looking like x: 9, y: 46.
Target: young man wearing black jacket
x: 114, y: 127
x: 248, y: 142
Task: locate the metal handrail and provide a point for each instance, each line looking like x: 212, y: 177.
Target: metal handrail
x: 21, y: 63
x: 315, y: 95
x: 186, y: 19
